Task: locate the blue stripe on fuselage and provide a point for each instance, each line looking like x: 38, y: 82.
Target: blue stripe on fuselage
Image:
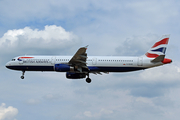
x: 32, y: 68
x: 91, y: 68
x: 114, y: 69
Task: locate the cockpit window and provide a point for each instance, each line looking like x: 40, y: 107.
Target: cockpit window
x: 13, y: 59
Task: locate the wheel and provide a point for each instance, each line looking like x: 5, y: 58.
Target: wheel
x: 22, y: 77
x: 88, y: 80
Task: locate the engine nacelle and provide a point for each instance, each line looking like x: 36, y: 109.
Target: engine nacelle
x: 63, y: 68
x: 72, y: 75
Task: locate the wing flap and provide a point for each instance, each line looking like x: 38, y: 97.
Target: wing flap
x: 100, y: 73
x: 80, y: 61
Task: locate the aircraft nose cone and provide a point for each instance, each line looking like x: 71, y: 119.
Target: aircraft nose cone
x: 7, y: 65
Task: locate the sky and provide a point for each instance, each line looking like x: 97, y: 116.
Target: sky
x: 116, y: 27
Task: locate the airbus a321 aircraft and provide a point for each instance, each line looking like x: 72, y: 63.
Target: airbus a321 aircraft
x: 80, y: 65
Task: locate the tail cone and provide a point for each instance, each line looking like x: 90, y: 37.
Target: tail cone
x: 166, y: 61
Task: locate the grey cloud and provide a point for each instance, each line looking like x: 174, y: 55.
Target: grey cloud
x: 150, y: 83
x: 52, y: 97
x: 154, y: 82
x: 32, y: 101
x: 137, y: 45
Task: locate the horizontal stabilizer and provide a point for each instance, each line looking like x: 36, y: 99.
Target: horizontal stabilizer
x: 158, y: 59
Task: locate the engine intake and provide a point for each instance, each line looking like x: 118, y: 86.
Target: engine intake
x: 63, y: 68
x: 71, y: 75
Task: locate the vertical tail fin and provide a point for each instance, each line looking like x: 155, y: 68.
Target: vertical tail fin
x: 159, y: 48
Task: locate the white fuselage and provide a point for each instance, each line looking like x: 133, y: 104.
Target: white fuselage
x: 94, y: 63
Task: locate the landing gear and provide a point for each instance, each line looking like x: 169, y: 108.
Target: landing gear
x: 22, y: 77
x: 88, y: 80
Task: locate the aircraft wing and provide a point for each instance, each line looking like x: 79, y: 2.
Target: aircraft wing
x: 79, y: 59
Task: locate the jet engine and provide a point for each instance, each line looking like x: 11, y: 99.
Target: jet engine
x: 63, y: 68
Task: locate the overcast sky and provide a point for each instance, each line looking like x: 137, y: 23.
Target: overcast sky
x: 116, y: 27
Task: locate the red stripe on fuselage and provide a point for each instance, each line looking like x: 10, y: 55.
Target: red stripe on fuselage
x: 164, y: 41
x: 25, y: 57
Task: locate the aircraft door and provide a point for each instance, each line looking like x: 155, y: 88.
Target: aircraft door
x: 53, y: 60
x: 140, y: 61
x: 94, y: 61
x: 21, y: 62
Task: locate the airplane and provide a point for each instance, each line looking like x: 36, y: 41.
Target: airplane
x: 80, y: 65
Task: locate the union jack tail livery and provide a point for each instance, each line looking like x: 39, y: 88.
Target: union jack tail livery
x: 159, y: 48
